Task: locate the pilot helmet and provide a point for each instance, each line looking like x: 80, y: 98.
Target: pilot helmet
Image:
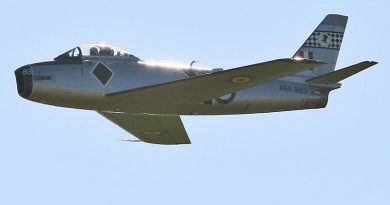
x: 93, y: 51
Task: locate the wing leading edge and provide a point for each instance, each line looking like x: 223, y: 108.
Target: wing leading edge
x: 201, y: 88
x: 155, y: 129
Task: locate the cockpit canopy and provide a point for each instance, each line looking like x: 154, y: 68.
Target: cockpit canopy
x: 90, y: 51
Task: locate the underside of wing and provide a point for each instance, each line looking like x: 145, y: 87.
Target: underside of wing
x: 168, y: 130
x: 201, y: 88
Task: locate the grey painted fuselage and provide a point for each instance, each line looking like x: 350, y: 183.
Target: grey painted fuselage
x: 74, y: 85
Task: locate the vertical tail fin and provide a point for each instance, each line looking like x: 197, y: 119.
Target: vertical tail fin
x: 323, y: 45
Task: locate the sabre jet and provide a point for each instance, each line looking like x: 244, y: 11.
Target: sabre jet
x: 147, y: 99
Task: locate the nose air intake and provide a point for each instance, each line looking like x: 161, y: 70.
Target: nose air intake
x: 24, y: 81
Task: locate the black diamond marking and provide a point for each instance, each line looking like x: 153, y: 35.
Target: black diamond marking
x: 102, y: 73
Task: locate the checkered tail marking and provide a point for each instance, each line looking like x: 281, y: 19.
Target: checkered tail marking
x: 321, y: 39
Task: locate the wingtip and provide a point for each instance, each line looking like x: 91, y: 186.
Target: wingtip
x: 373, y: 62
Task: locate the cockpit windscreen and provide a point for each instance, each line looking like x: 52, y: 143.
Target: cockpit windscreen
x: 94, y: 50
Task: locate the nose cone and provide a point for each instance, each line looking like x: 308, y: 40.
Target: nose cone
x: 24, y: 81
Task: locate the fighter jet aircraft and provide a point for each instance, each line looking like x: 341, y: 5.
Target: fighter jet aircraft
x: 146, y: 99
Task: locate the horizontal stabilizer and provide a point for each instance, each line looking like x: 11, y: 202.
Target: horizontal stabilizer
x: 339, y: 75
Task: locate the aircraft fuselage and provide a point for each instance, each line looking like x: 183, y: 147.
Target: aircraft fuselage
x: 83, y: 85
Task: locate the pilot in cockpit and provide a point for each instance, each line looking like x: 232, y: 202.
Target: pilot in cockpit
x: 106, y: 51
x: 101, y: 51
x: 93, y: 51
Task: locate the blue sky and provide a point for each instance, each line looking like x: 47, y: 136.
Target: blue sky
x: 336, y: 155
